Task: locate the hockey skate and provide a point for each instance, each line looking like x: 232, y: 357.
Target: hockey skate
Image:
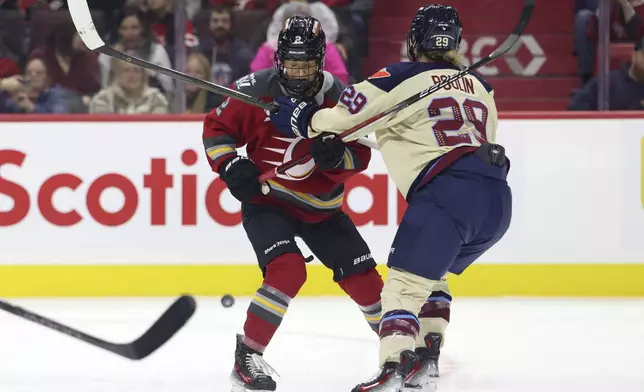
x: 391, y: 377
x: 424, y: 376
x: 251, y: 373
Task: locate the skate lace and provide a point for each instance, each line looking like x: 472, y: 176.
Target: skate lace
x: 258, y: 368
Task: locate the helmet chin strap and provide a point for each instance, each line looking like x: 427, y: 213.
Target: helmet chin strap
x: 318, y: 94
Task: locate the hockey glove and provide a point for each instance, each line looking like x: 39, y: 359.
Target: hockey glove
x: 242, y: 178
x: 327, y: 152
x: 293, y: 117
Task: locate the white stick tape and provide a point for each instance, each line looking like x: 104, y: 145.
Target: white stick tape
x: 82, y: 17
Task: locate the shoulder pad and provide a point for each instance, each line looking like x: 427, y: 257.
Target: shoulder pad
x: 258, y: 84
x: 485, y: 84
x: 391, y: 76
x: 335, y: 89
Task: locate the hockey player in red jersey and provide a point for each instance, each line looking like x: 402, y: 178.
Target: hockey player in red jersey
x: 305, y: 202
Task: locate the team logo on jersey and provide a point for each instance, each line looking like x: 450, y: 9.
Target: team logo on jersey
x: 246, y: 81
x: 295, y: 148
x: 383, y: 73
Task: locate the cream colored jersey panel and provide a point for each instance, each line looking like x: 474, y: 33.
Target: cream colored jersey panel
x: 357, y: 104
x: 462, y: 114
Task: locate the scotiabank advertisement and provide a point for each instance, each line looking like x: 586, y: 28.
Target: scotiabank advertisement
x: 142, y: 192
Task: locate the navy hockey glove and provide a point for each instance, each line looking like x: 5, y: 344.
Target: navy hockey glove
x: 293, y: 117
x: 327, y: 152
x: 242, y: 178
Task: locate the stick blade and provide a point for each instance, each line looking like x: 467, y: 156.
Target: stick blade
x: 170, y: 322
x: 82, y: 18
x: 510, y: 43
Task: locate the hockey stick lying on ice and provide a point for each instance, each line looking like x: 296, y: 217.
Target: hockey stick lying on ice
x: 82, y: 18
x: 505, y: 47
x: 172, y: 320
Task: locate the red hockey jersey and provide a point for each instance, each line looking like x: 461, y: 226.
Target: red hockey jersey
x: 304, y: 192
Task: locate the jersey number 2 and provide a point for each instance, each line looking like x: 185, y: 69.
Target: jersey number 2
x: 448, y: 132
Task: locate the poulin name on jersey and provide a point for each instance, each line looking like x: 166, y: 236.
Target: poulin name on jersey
x: 465, y: 85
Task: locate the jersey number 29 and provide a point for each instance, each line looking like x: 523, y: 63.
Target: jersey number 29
x: 448, y: 132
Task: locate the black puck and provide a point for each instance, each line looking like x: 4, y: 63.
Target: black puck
x: 227, y: 301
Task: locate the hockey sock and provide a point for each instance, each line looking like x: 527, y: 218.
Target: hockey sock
x: 285, y: 275
x: 434, y: 316
x: 403, y: 295
x: 365, y: 288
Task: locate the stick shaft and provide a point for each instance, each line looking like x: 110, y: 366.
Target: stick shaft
x: 206, y: 85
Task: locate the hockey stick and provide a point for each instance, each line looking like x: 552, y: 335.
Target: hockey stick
x: 82, y: 18
x: 172, y: 320
x: 505, y: 47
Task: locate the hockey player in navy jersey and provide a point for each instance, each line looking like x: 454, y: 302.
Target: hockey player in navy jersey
x: 440, y: 152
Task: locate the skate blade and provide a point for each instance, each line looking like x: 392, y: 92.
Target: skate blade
x: 241, y: 388
x: 427, y: 386
x: 238, y: 386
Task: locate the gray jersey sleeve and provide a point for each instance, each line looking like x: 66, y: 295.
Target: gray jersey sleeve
x: 261, y: 84
x: 336, y: 90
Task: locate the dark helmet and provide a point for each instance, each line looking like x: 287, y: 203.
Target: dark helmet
x: 301, y: 39
x: 435, y: 28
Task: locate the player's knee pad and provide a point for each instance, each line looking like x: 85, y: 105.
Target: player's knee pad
x: 287, y: 273
x: 406, y: 291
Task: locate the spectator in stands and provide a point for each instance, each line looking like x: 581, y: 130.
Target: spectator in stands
x: 353, y: 43
x: 265, y: 55
x: 135, y: 37
x: 192, y: 6
x: 247, y: 4
x: 626, y: 25
x: 8, y: 58
x: 586, y: 5
x: 230, y: 57
x: 626, y: 86
x: 69, y: 63
x: 360, y: 13
x: 108, y: 8
x: 33, y: 93
x: 161, y: 16
x: 318, y: 10
x: 199, y: 100
x: 130, y: 93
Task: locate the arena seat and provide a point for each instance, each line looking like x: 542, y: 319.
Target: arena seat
x: 620, y: 53
x: 548, y: 39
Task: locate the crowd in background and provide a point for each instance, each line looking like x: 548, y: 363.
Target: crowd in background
x: 63, y: 76
x: 58, y: 74
x: 626, y: 84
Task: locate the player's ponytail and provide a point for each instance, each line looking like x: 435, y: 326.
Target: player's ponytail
x: 451, y: 56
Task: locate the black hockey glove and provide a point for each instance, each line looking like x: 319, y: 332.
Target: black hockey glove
x: 242, y: 178
x: 328, y: 153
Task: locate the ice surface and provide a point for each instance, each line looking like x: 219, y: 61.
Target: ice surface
x: 500, y: 345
